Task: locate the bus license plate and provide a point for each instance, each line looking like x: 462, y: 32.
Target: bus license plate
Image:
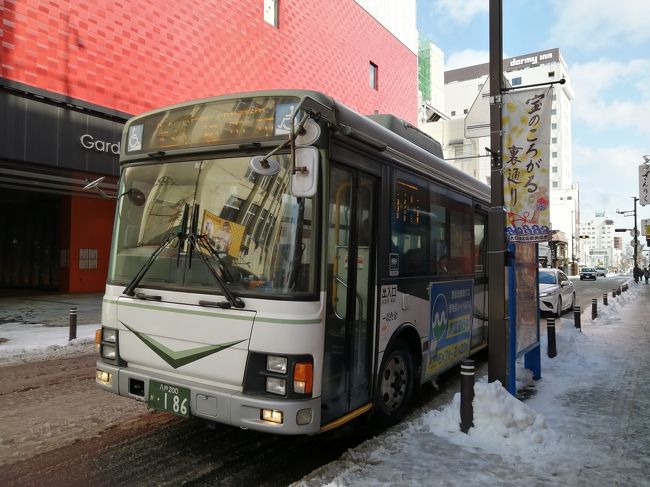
x: 170, y: 398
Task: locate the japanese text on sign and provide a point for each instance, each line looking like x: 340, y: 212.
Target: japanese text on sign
x: 526, y: 144
x: 644, y: 195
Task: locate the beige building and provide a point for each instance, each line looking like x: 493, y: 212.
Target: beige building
x: 463, y: 127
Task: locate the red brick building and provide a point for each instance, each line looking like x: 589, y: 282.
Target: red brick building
x: 72, y: 72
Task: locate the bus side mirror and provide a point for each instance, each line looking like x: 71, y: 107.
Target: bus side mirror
x: 304, y: 180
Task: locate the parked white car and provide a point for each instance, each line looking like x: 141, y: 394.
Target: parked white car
x: 556, y: 292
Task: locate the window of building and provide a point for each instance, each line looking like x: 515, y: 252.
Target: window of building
x: 551, y: 74
x: 553, y: 154
x: 555, y: 184
x: 271, y: 12
x: 516, y: 81
x: 554, y: 125
x: 554, y: 140
x: 465, y: 111
x: 553, y: 111
x: 554, y: 169
x: 453, y: 113
x: 373, y: 71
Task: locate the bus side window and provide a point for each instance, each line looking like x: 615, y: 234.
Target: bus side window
x: 410, y: 232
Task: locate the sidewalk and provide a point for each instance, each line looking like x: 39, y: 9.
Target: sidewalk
x: 585, y: 423
x: 51, y: 309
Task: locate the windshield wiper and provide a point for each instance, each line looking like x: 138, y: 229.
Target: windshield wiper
x: 198, y: 240
x: 130, y: 289
x: 298, y: 244
x: 182, y: 234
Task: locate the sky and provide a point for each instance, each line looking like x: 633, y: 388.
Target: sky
x: 585, y: 422
x: 606, y: 46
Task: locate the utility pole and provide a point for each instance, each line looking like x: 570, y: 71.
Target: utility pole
x: 636, y: 238
x: 635, y: 231
x: 497, y: 320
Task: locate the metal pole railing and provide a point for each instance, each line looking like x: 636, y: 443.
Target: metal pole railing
x: 594, y: 308
x: 467, y: 372
x: 72, y: 327
x: 550, y: 335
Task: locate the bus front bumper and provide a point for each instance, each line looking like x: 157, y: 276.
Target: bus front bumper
x: 286, y: 417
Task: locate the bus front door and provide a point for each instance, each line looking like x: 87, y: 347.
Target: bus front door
x: 350, y: 277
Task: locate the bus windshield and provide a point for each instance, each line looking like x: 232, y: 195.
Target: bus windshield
x: 259, y: 231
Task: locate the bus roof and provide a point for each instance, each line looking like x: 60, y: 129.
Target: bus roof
x: 398, y: 138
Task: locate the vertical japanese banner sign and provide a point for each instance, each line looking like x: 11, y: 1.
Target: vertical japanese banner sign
x: 526, y: 153
x: 644, y: 175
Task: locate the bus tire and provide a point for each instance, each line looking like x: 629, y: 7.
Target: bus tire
x: 395, y: 385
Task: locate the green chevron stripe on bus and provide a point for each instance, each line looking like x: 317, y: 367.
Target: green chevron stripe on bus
x: 179, y: 358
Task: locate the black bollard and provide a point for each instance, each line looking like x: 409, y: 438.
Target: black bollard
x: 550, y: 335
x: 605, y: 299
x: 73, y: 324
x: 594, y: 308
x: 576, y: 317
x: 613, y: 293
x: 618, y: 291
x: 466, y: 395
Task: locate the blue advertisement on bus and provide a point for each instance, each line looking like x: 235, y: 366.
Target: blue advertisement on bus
x: 450, y: 323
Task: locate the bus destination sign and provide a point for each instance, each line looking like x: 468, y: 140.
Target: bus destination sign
x: 212, y: 123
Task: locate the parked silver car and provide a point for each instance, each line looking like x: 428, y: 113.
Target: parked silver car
x: 556, y: 291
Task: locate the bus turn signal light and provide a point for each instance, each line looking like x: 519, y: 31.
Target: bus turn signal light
x: 303, y: 377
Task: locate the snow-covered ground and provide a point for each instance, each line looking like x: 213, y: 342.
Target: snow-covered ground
x: 29, y: 341
x: 586, y: 422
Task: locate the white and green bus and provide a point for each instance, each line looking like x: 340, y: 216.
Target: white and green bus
x: 282, y: 263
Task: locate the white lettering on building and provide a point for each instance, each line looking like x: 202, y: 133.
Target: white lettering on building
x: 89, y: 142
x: 531, y: 59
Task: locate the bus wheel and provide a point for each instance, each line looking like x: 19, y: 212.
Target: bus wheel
x: 395, y: 387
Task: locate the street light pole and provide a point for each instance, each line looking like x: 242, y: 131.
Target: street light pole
x: 635, y: 230
x: 636, y: 238
x: 497, y: 317
x: 573, y: 243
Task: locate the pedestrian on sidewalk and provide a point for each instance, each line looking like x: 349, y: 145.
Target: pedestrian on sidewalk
x: 646, y: 274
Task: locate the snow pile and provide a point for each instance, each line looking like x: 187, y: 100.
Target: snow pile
x: 20, y: 341
x: 502, y: 424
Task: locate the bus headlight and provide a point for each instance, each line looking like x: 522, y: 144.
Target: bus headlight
x: 275, y: 385
x: 103, y: 377
x: 276, y: 364
x: 108, y: 352
x: 272, y: 415
x: 109, y: 335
